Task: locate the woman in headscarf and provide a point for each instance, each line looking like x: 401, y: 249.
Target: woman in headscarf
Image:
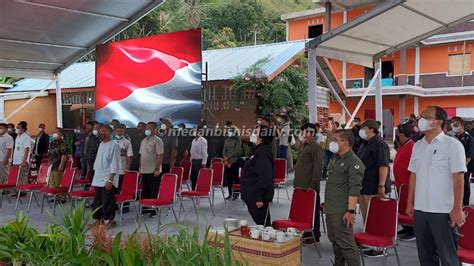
x: 257, y: 185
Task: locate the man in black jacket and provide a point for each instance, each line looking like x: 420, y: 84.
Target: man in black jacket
x: 41, y: 145
x: 257, y: 185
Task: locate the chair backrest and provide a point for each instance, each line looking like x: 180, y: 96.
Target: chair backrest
x: 43, y: 173
x: 68, y: 164
x: 303, y: 204
x: 130, y: 183
x: 467, y: 230
x: 187, y: 170
x: 217, y: 160
x: 178, y: 171
x: 280, y: 169
x: 167, y: 191
x: 382, y: 217
x: 403, y: 199
x: 13, y: 175
x: 67, y: 178
x: 217, y: 173
x: 204, y: 180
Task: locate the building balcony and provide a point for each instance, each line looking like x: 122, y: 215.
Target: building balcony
x: 415, y: 91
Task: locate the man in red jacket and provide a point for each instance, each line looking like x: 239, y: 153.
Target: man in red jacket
x: 400, y: 170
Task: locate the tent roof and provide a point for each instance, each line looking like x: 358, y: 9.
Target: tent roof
x: 393, y: 25
x: 40, y: 38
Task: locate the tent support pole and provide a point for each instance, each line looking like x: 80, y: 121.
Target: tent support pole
x: 59, y: 103
x: 312, y: 86
x: 362, y: 99
x: 333, y: 91
x: 29, y: 101
x: 378, y: 95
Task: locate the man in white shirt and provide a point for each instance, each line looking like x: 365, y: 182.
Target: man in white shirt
x: 106, y: 179
x: 151, y: 158
x: 21, y: 155
x: 126, y: 155
x: 437, y: 169
x: 6, y: 149
x: 198, y: 155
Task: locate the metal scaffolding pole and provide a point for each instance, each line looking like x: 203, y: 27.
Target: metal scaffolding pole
x: 312, y: 86
x: 59, y: 103
x: 378, y: 95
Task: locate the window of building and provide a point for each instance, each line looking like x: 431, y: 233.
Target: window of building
x: 459, y: 64
x: 315, y: 31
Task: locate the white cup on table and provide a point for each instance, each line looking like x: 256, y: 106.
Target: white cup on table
x: 265, y: 236
x: 291, y: 231
x: 280, y: 236
x: 272, y: 233
x: 255, y: 234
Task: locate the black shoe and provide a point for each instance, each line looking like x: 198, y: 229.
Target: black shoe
x: 228, y: 198
x: 152, y: 215
x: 236, y: 197
x: 407, y: 238
x: 373, y: 254
x: 125, y: 209
x: 404, y: 231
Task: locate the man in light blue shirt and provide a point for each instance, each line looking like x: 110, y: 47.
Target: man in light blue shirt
x: 106, y: 178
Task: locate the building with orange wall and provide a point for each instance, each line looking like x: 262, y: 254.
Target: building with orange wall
x: 437, y: 71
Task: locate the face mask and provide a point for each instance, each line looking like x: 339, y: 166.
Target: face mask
x: 333, y: 147
x: 10, y: 130
x: 456, y: 129
x: 147, y: 132
x: 416, y: 129
x: 253, y: 138
x: 77, y: 131
x: 259, y: 122
x: 118, y: 137
x: 112, y: 127
x: 163, y: 127
x: 40, y: 129
x: 301, y: 137
x: 230, y: 134
x: 17, y: 131
x: 424, y: 125
x: 95, y: 132
x: 362, y: 134
x: 55, y: 136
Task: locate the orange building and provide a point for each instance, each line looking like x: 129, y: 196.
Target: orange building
x: 437, y: 71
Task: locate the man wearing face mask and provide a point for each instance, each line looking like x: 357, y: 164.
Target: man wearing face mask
x: 345, y: 174
x: 266, y: 121
x: 126, y: 153
x: 284, y: 133
x: 22, y: 150
x: 6, y: 149
x: 151, y: 160
x: 232, y: 150
x: 199, y: 154
x: 437, y: 167
x: 12, y: 131
x: 57, y: 153
x: 308, y: 171
x: 466, y: 139
x: 136, y: 141
x: 41, y: 145
x: 170, y: 142
x: 92, y: 145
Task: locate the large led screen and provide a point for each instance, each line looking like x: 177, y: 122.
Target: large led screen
x: 148, y: 78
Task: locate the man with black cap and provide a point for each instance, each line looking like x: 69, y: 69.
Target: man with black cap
x: 170, y: 143
x: 465, y: 138
x: 267, y: 121
x: 309, y: 168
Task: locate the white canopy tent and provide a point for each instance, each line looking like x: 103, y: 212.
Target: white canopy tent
x: 391, y: 26
x: 40, y: 38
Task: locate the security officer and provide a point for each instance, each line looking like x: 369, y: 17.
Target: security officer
x: 466, y: 139
x: 343, y: 186
x: 308, y: 170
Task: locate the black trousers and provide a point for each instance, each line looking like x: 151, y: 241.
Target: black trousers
x: 151, y: 186
x: 104, y: 202
x: 195, y: 167
x: 38, y: 159
x: 467, y: 189
x: 165, y: 168
x: 317, y: 220
x: 232, y: 176
x: 435, y: 239
x: 259, y: 214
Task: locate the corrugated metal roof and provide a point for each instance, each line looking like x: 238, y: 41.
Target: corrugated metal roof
x: 224, y: 64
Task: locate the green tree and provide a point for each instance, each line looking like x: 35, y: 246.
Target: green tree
x: 225, y: 38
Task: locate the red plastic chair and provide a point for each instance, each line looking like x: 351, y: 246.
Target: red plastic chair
x: 218, y: 179
x: 128, y: 192
x: 280, y: 177
x: 301, y: 214
x: 380, y: 229
x: 187, y: 173
x: 84, y: 195
x: 217, y: 160
x: 466, y: 241
x: 166, y: 197
x: 403, y: 218
x: 12, y: 182
x: 203, y: 189
x: 41, y: 181
x: 69, y: 163
x: 178, y: 171
x: 63, y: 189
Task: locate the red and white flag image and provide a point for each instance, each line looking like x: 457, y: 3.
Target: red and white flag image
x: 148, y: 78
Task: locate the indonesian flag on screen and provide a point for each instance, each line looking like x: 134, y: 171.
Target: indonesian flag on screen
x: 148, y: 78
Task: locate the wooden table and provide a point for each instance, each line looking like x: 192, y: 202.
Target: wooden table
x: 258, y: 252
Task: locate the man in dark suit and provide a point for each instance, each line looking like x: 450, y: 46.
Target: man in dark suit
x: 41, y: 144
